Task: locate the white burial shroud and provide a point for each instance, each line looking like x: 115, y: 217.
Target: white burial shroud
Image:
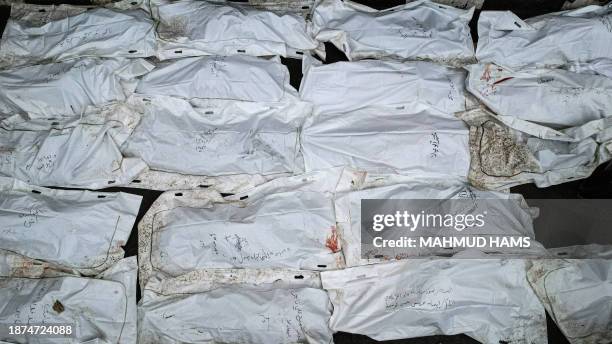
x: 554, y: 39
x: 347, y: 86
x: 195, y: 28
x: 414, y: 31
x: 486, y: 299
x: 99, y: 32
x: 101, y: 309
x: 61, y: 90
x: 245, y: 306
x: 286, y: 223
x: 83, y: 153
x: 387, y: 140
x: 577, y: 293
x: 506, y: 215
x: 76, y: 230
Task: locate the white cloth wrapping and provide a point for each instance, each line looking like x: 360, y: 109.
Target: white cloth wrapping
x: 159, y: 180
x: 591, y: 251
x: 241, y: 78
x: 79, y: 230
x: 65, y: 89
x: 387, y: 140
x: 502, y: 157
x: 98, y: 32
x: 40, y: 14
x: 553, y: 39
x: 301, y: 7
x: 286, y: 223
x: 488, y: 300
x: 577, y: 293
x: 414, y: 31
x: 551, y: 97
x: 218, y: 137
x: 84, y: 154
x: 598, y: 66
x: 508, y: 215
x: 347, y: 86
x: 100, y: 309
x: 242, y: 95
x: 548, y: 126
x: 245, y: 306
x: 194, y: 28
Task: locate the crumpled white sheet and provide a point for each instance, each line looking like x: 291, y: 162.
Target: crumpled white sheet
x: 83, y: 154
x: 387, y: 140
x: 487, y: 299
x: 218, y: 137
x: 591, y: 251
x: 577, y: 293
x: 572, y: 4
x: 549, y: 126
x: 347, y: 86
x: 465, y: 4
x: 101, y: 309
x: 194, y: 28
x: 512, y: 217
x: 65, y: 89
x: 554, y: 98
x: 40, y: 14
x: 502, y: 157
x: 553, y: 39
x: 159, y: 180
x: 414, y: 31
x: 598, y: 66
x: 240, y: 78
x: 246, y: 306
x: 99, y: 32
x: 78, y: 230
x: 301, y: 7
x: 285, y: 223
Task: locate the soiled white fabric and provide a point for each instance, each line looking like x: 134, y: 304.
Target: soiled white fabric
x: 548, y: 126
x: 243, y: 78
x: 218, y: 137
x: 286, y: 223
x: 65, y: 89
x: 78, y: 230
x: 553, y: 39
x: 387, y: 140
x: 572, y: 4
x: 577, y: 293
x: 591, y: 251
x: 551, y: 97
x: 465, y: 4
x: 513, y: 152
x: 194, y: 28
x: 598, y: 66
x: 346, y: 86
x: 98, y: 32
x: 159, y: 180
x: 488, y: 300
x: 84, y: 154
x: 102, y: 308
x: 301, y: 7
x: 509, y: 215
x: 38, y: 15
x: 417, y: 30
x: 235, y: 306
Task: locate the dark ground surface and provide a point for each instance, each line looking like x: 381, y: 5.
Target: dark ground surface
x: 599, y: 185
